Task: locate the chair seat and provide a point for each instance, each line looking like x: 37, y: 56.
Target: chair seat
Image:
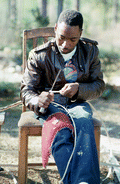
x: 28, y: 119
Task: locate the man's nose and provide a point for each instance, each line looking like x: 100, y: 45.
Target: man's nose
x: 65, y: 44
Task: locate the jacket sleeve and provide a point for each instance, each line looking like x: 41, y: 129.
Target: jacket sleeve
x: 94, y: 86
x: 30, y: 85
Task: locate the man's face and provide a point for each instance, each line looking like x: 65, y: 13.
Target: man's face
x: 67, y: 37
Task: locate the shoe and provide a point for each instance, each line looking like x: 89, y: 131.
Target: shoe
x: 83, y: 183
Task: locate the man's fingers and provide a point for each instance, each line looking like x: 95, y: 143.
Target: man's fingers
x: 65, y: 89
x: 69, y: 90
x: 45, y: 98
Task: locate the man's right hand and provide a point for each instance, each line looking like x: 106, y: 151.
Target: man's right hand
x: 45, y: 98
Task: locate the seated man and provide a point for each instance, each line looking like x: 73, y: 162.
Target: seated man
x: 75, y: 154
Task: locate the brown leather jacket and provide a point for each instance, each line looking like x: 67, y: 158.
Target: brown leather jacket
x: 45, y: 61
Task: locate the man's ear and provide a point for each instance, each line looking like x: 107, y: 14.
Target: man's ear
x: 81, y: 33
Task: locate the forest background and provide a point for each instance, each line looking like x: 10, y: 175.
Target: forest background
x: 101, y: 20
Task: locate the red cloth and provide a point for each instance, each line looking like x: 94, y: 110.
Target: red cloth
x: 52, y: 125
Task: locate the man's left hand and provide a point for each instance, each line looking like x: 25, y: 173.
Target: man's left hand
x: 70, y: 89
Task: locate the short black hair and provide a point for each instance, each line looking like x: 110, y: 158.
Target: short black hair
x: 71, y: 18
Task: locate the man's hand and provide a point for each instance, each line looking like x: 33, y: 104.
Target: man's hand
x: 70, y: 89
x: 45, y: 98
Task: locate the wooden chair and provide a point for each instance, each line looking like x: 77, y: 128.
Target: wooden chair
x: 28, y: 125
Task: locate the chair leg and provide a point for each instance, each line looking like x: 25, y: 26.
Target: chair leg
x: 97, y: 139
x: 23, y: 156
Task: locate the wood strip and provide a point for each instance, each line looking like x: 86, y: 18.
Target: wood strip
x: 40, y: 32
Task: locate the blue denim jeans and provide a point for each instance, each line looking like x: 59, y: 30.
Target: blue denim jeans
x: 84, y: 166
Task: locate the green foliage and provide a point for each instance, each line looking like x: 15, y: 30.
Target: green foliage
x: 110, y: 62
x: 110, y: 92
x: 9, y: 89
x: 18, y: 59
x: 109, y: 54
x: 41, y: 21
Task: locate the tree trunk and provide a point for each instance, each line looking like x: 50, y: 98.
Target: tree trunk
x: 77, y: 5
x: 115, y: 12
x: 44, y: 8
x: 13, y: 13
x: 21, y: 2
x: 60, y: 7
x: 105, y: 14
x: 8, y: 13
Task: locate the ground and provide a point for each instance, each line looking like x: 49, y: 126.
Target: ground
x: 107, y: 108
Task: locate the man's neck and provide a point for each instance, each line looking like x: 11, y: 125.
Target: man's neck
x: 69, y: 55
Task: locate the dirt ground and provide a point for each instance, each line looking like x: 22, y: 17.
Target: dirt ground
x: 108, y: 110
x: 49, y: 176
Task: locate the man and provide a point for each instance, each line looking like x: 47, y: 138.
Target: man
x: 44, y: 63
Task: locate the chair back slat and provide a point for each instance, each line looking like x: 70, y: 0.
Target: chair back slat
x: 40, y: 32
x: 35, y: 42
x: 35, y: 34
x: 45, y: 39
x: 24, y: 50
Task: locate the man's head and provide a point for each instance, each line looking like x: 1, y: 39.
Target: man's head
x: 71, y: 18
x: 68, y: 30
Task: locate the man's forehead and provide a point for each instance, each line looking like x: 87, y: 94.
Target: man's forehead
x: 63, y: 28
x: 63, y: 24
